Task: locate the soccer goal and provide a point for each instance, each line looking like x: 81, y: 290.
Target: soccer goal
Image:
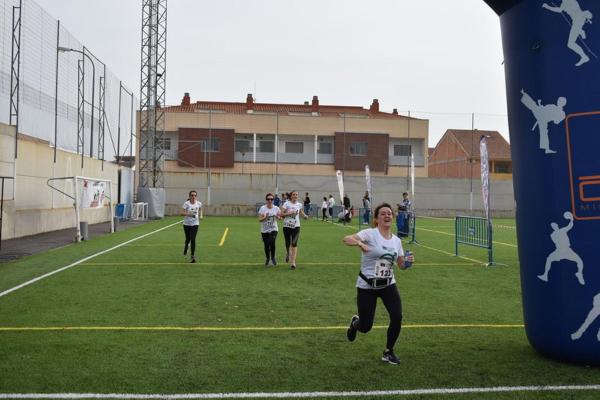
x: 474, y: 231
x: 86, y: 193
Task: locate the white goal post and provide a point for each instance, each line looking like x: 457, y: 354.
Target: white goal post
x: 86, y: 193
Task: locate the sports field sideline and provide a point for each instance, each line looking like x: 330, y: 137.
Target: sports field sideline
x: 128, y: 314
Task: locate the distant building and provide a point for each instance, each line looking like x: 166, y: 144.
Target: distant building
x: 458, y: 149
x: 293, y: 139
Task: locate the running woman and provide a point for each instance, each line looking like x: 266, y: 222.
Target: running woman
x: 192, y: 212
x: 267, y: 216
x: 291, y: 211
x: 380, y: 249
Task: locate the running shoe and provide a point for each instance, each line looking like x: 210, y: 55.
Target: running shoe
x: 389, y: 357
x: 351, y: 332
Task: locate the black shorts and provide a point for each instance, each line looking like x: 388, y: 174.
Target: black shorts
x: 291, y: 236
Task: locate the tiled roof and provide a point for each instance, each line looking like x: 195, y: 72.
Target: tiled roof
x: 498, y: 147
x: 282, y: 109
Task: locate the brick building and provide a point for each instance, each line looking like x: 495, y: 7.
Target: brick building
x: 293, y: 139
x: 458, y: 149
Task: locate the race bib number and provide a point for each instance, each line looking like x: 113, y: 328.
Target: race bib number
x: 270, y: 222
x: 383, y: 268
x: 289, y: 222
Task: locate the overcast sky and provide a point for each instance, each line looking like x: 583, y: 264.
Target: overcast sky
x: 440, y: 59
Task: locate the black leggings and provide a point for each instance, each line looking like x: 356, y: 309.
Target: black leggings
x: 324, y: 212
x: 366, y: 301
x: 190, y: 236
x: 291, y: 236
x: 269, y: 239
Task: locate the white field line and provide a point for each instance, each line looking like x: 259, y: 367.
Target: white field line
x: 432, y: 248
x: 39, y: 278
x: 478, y: 262
x: 244, y: 328
x: 216, y: 264
x: 286, y: 395
x: 452, y: 234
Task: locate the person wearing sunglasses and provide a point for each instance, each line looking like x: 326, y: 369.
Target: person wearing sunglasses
x: 267, y: 216
x: 192, y: 212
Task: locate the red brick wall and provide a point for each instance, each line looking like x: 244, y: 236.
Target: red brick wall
x: 450, y: 161
x: 192, y: 154
x: 377, y: 151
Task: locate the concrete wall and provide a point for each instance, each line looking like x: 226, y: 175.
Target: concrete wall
x: 237, y: 194
x: 33, y: 207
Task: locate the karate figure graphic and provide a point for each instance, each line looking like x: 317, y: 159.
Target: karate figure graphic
x: 592, y: 315
x: 563, y: 249
x: 544, y: 114
x: 579, y: 18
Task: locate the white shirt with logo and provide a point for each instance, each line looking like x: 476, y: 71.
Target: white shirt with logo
x: 379, y: 261
x: 194, y: 209
x: 270, y: 223
x: 291, y: 221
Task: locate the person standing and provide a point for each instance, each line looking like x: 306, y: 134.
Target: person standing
x: 276, y: 200
x: 346, y: 202
x: 324, y: 209
x: 331, y: 203
x: 192, y: 212
x: 380, y: 250
x: 366, y: 202
x: 306, y: 204
x: 267, y: 216
x: 291, y: 211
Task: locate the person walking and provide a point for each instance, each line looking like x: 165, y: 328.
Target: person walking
x: 306, y: 204
x: 267, y: 216
x: 380, y: 250
x: 192, y: 212
x: 324, y: 209
x: 366, y: 202
x: 291, y: 211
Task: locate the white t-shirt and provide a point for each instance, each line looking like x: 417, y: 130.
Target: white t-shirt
x: 324, y: 205
x: 269, y: 224
x: 292, y: 221
x: 191, y: 208
x: 331, y: 202
x: 379, y: 261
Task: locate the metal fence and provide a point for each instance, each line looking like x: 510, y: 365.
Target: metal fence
x: 66, y: 95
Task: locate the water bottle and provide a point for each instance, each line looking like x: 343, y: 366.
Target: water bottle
x: 407, y: 264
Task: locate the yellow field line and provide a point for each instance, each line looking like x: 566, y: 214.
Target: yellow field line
x: 224, y: 236
x: 452, y: 234
x: 240, y: 328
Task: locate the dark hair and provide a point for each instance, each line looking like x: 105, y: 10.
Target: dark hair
x: 405, y: 194
x: 378, y: 208
x: 192, y: 191
x: 269, y: 194
x: 325, y: 198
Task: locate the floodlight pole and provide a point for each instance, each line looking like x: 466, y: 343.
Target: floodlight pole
x: 66, y: 50
x: 471, y: 161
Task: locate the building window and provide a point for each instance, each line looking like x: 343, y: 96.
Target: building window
x: 294, y: 147
x: 164, y: 143
x: 502, y: 168
x: 243, y: 146
x: 358, y: 148
x: 266, y: 146
x: 325, y: 148
x: 213, y: 145
x: 402, y: 150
